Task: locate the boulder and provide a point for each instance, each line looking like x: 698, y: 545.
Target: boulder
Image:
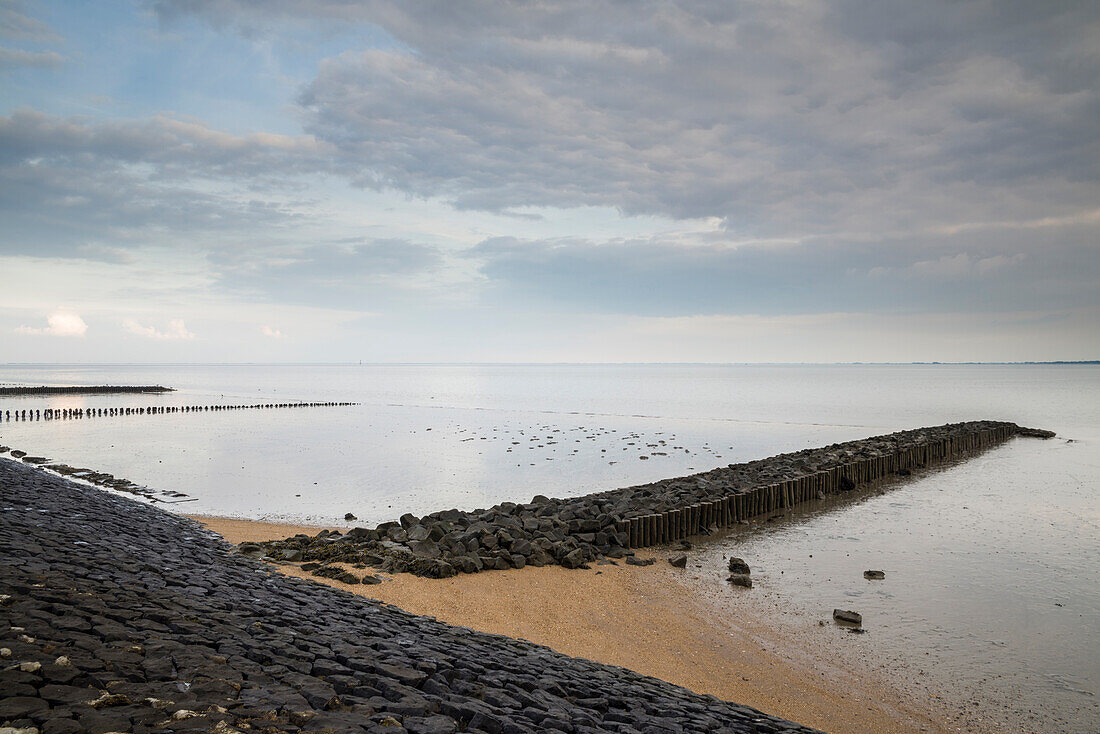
x: 635, y: 561
x: 350, y: 517
x: 678, y: 561
x: 418, y: 532
x: 874, y: 575
x: 740, y: 579
x: 424, y: 548
x: 738, y: 565
x: 574, y: 558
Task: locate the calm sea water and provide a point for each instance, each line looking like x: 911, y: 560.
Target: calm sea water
x: 991, y: 599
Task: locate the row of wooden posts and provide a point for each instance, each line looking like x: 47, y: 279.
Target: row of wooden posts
x: 76, y: 413
x: 684, y: 522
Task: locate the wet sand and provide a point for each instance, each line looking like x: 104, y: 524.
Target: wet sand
x: 646, y: 619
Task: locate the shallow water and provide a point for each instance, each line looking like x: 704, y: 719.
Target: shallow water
x: 978, y: 556
x: 991, y: 584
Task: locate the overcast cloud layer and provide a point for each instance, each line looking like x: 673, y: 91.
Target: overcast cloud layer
x: 571, y: 181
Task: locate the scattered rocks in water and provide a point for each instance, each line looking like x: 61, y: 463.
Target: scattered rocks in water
x: 740, y: 579
x: 678, y: 561
x: 738, y: 565
x: 874, y: 575
x: 847, y: 616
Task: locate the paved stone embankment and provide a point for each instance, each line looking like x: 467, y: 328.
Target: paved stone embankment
x: 118, y: 617
x: 573, y: 532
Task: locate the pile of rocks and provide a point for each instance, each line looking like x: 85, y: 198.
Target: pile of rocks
x: 115, y: 616
x: 574, y: 532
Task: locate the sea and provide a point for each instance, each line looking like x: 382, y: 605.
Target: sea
x: 990, y: 606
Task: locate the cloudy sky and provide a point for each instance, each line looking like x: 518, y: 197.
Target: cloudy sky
x: 339, y: 180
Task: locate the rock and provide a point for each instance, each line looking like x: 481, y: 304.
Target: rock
x: 418, y: 532
x: 685, y: 545
x: 371, y: 579
x: 336, y: 574
x: 350, y: 517
x: 408, y: 520
x: 874, y: 575
x: 738, y: 565
x: 424, y: 548
x: 635, y: 561
x: 847, y: 616
x: 253, y: 550
x: 573, y: 559
x: 740, y: 579
x: 678, y: 561
x: 290, y: 554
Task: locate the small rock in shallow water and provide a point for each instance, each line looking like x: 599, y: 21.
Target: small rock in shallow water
x: 847, y: 615
x: 738, y: 565
x: 349, y: 517
x: 740, y: 579
x: 874, y: 575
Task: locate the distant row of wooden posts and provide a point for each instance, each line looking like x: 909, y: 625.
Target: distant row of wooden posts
x: 47, y: 414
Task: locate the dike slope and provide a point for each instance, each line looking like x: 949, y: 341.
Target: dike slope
x: 120, y: 617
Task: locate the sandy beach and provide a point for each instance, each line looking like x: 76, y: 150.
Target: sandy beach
x: 646, y: 619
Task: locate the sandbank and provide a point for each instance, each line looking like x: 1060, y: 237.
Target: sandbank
x: 646, y: 619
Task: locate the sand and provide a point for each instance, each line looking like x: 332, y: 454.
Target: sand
x: 648, y: 619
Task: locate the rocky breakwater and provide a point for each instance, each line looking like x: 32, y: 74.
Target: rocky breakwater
x: 117, y: 617
x: 573, y: 532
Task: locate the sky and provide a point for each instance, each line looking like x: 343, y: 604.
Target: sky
x: 596, y: 181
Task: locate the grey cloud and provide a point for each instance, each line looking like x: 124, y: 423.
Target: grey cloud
x: 780, y: 118
x: 662, y: 277
x: 71, y: 182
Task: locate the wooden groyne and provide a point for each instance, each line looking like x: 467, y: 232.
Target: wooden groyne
x: 83, y: 390
x: 49, y: 414
x: 574, y: 531
x: 698, y: 518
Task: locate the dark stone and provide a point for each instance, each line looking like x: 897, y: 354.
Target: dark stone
x: 679, y: 561
x: 874, y: 575
x: 847, y: 616
x: 740, y: 579
x: 738, y: 565
x: 350, y: 517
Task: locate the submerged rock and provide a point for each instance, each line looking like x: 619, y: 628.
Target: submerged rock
x: 874, y: 575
